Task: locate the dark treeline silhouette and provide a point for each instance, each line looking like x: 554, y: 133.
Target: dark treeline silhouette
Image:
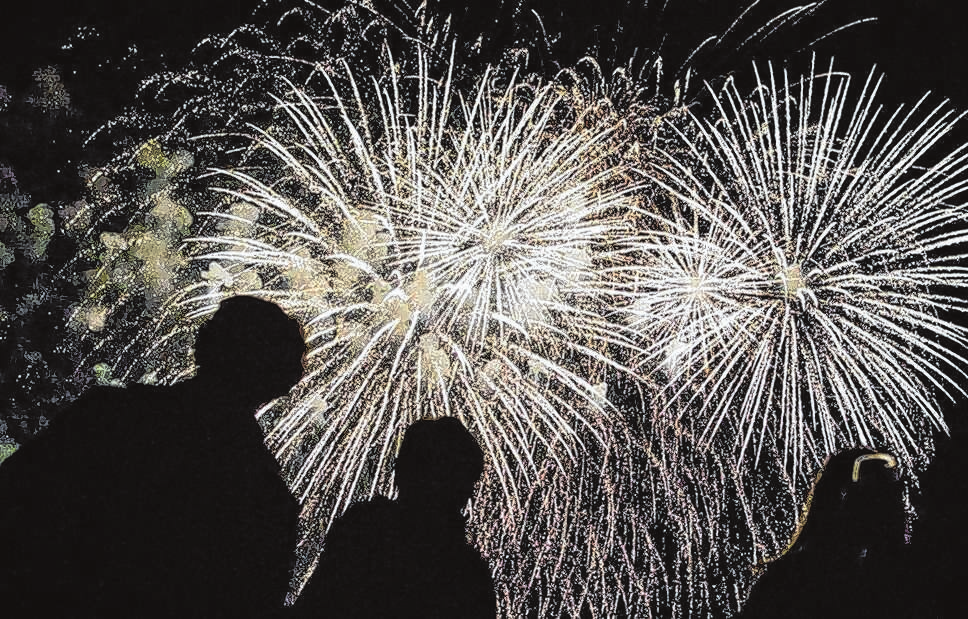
x: 408, y: 557
x: 154, y: 501
x: 850, y: 558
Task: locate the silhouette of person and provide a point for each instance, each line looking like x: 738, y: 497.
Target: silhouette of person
x: 160, y: 501
x: 849, y: 557
x: 409, y: 557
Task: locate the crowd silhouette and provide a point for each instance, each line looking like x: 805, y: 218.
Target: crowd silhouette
x: 163, y: 501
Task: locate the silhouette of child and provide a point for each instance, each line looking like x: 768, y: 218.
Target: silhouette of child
x: 409, y: 557
x: 160, y: 501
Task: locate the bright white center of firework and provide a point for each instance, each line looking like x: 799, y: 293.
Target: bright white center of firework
x: 697, y: 286
x: 791, y: 278
x: 495, y: 239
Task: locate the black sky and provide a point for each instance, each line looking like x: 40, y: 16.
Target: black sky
x: 105, y: 47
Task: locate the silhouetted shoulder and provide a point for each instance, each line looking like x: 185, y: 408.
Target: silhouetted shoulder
x: 381, y: 561
x: 409, y: 557
x: 365, y: 524
x: 54, y: 489
x: 76, y: 440
x: 141, y: 481
x: 792, y: 590
x: 364, y: 533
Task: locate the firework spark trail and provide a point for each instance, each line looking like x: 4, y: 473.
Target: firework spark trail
x: 798, y: 290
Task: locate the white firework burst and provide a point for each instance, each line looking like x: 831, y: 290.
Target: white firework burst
x: 444, y: 266
x: 802, y: 285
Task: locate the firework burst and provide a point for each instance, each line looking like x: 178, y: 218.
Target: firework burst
x: 445, y: 266
x: 801, y: 286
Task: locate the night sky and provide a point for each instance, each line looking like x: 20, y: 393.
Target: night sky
x: 105, y: 47
x: 102, y: 50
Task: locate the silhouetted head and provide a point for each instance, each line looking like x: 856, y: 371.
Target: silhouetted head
x: 438, y: 465
x: 250, y: 348
x: 857, y: 505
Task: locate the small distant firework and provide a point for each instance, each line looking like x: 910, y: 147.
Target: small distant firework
x: 803, y: 285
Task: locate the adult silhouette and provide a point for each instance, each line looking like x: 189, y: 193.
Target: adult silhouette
x: 850, y: 555
x: 408, y: 557
x: 160, y: 501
